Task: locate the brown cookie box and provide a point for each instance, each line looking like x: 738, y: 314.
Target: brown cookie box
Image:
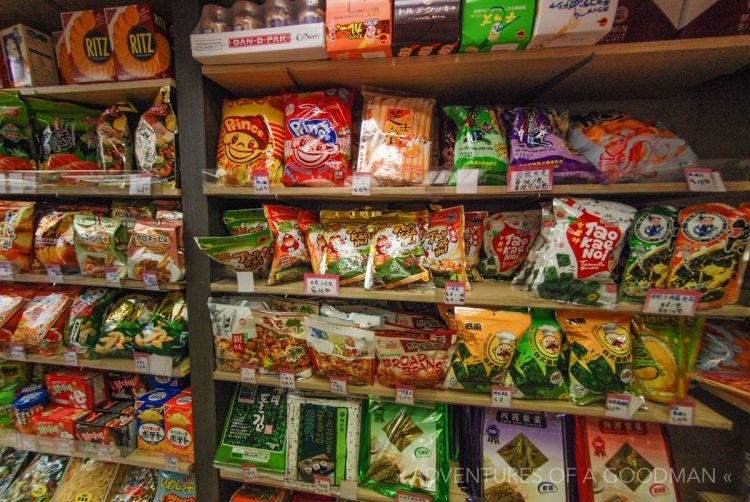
x: 107, y: 428
x: 702, y: 18
x: 644, y: 20
x: 424, y: 28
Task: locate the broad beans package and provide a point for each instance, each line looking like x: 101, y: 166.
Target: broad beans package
x: 406, y: 358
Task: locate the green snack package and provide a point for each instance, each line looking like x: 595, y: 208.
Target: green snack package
x: 7, y: 414
x: 490, y: 25
x: 600, y: 359
x: 405, y: 448
x: 84, y: 327
x: 347, y: 244
x: 16, y: 144
x: 651, y: 242
x: 124, y: 320
x: 166, y: 334
x: 241, y: 253
x: 245, y: 221
x: 100, y: 244
x: 480, y: 144
x: 536, y: 371
x: 255, y: 429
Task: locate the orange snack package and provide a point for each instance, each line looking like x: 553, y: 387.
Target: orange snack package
x: 444, y: 248
x: 358, y: 30
x: 409, y: 358
x: 44, y: 317
x: 17, y: 233
x: 13, y: 298
x: 88, y: 46
x: 290, y: 256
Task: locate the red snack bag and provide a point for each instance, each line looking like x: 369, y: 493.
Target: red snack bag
x: 12, y: 300
x: 407, y: 358
x: 318, y: 137
x: 44, y: 318
x: 290, y: 256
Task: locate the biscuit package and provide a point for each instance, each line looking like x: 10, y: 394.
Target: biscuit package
x: 100, y: 245
x: 490, y: 25
x: 86, y: 39
x: 63, y: 58
x: 178, y: 426
x: 155, y: 246
x: 358, y: 31
x: 426, y: 28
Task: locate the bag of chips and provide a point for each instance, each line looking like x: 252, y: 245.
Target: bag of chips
x: 342, y: 244
x: 155, y: 246
x: 166, y: 334
x: 100, y: 244
x: 13, y: 298
x: 43, y: 475
x: 133, y: 484
x: 251, y: 141
x: 444, y: 248
x: 473, y: 239
x: 54, y: 236
x: 525, y: 273
x: 600, y: 359
x: 507, y: 239
x: 318, y: 141
x: 281, y: 342
x: 627, y: 149
x: 480, y: 144
x: 410, y: 358
x: 156, y: 140
x: 235, y: 338
x: 42, y: 325
x: 724, y: 357
x: 173, y: 486
x: 650, y: 251
x: 115, y: 142
x: 290, y: 257
x: 16, y: 143
x: 341, y: 349
x: 245, y: 221
x: 242, y: 253
x: 487, y: 341
x: 83, y: 329
x: 124, y: 320
x: 17, y: 234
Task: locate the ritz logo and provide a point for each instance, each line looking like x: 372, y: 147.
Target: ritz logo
x: 314, y: 142
x: 141, y: 43
x: 96, y: 46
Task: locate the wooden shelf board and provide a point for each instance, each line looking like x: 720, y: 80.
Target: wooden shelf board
x: 718, y: 497
x: 85, y: 280
x: 114, y: 364
x: 95, y: 191
x: 490, y: 294
x: 102, y: 94
x: 732, y: 398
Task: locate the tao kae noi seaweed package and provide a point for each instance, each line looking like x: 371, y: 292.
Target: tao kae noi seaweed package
x: 491, y: 25
x: 340, y: 244
x: 291, y: 258
x: 426, y: 28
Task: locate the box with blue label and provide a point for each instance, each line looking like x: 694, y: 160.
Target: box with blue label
x: 149, y: 413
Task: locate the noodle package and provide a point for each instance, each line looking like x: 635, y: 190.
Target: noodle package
x: 290, y: 256
x: 444, y: 249
x: 506, y: 242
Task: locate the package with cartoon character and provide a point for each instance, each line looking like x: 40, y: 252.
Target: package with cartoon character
x: 79, y: 389
x: 507, y: 239
x: 175, y: 486
x: 358, y: 31
x: 491, y: 25
x: 281, y: 343
x: 251, y: 252
x: 444, y: 248
x: 244, y: 221
x: 290, y: 256
x: 342, y: 245
x: 480, y: 144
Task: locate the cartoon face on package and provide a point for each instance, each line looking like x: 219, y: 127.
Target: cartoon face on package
x: 444, y: 249
x: 480, y: 144
x: 318, y: 131
x: 342, y: 244
x: 507, y: 238
x: 290, y: 257
x: 250, y: 141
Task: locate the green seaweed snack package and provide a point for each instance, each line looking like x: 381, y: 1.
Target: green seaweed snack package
x: 473, y: 239
x: 166, y: 334
x: 245, y: 221
x: 665, y: 349
x: 507, y: 239
x: 84, y: 327
x: 490, y: 25
x: 291, y: 260
x: 651, y: 242
x: 346, y: 239
x: 254, y: 429
x: 240, y: 253
x: 480, y: 144
x: 123, y: 321
x: 600, y: 359
x: 16, y: 144
x: 486, y: 344
x: 405, y: 448
x: 525, y: 274
x: 537, y: 368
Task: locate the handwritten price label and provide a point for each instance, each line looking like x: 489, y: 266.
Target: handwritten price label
x: 160, y: 365
x: 682, y: 413
x: 467, y: 180
x: 405, y: 394
x: 245, y: 282
x: 247, y: 373
x: 55, y: 274
x: 703, y: 179
x: 171, y: 463
x: 150, y: 281
x: 3, y: 186
x: 338, y: 385
x: 322, y: 485
x: 26, y: 442
x: 22, y: 182
x: 671, y: 302
x: 7, y: 272
x: 530, y: 179
x: 288, y: 379
x: 502, y: 396
x: 402, y: 496
x: 321, y: 285
x: 250, y: 473
x: 104, y: 452
x: 140, y: 184
x: 361, y: 184
x: 17, y: 351
x: 261, y: 183
x: 455, y: 293
x: 621, y: 406
x: 112, y: 277
x: 71, y: 357
x: 140, y: 362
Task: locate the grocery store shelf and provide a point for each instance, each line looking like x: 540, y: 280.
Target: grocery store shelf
x: 85, y: 280
x: 70, y: 448
x: 655, y: 412
x: 732, y: 398
x: 114, y: 364
x: 345, y: 193
x: 490, y: 294
x: 98, y: 191
x: 103, y: 94
x: 718, y: 497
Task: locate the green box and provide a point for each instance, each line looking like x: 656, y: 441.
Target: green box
x: 491, y: 25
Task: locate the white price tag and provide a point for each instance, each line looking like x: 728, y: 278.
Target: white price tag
x: 288, y: 379
x: 171, y: 463
x: 405, y: 394
x: 160, y: 365
x: 703, y: 179
x: 7, y: 271
x: 247, y: 373
x: 361, y: 184
x: 338, y: 385
x: 621, y: 405
x: 455, y: 293
x: 22, y: 182
x: 249, y: 473
x: 3, y: 186
x: 322, y: 485
x: 65, y: 446
x: 321, y: 285
x: 71, y: 357
x: 112, y: 277
x: 530, y: 179
x: 348, y: 489
x: 467, y: 180
x: 104, y: 452
x: 261, y: 183
x: 140, y: 362
x: 245, y: 282
x: 26, y: 442
x: 55, y: 274
x: 140, y: 184
x: 682, y: 413
x: 17, y: 351
x: 412, y: 497
x: 671, y: 302
x: 502, y: 396
x: 150, y: 281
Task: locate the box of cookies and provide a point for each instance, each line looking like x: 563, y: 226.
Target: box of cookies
x: 356, y: 30
x: 86, y: 42
x: 644, y: 20
x: 496, y: 25
x: 426, y: 27
x: 141, y: 43
x: 178, y: 422
x: 106, y: 428
x: 28, y: 57
x: 57, y: 421
x: 149, y: 412
x: 80, y: 389
x: 563, y: 24
x: 714, y: 18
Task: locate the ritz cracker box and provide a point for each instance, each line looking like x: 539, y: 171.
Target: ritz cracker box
x: 357, y: 30
x: 426, y: 28
x: 644, y: 20
x: 565, y: 23
x: 28, y: 57
x: 494, y: 25
x: 87, y: 47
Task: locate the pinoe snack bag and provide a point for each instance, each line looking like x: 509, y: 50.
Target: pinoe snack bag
x: 480, y: 144
x: 506, y: 242
x: 473, y: 238
x: 318, y: 137
x: 290, y: 256
x: 444, y: 249
x: 250, y: 140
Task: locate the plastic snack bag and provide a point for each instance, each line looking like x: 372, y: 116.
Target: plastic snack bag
x: 84, y: 325
x: 410, y: 358
x: 318, y: 141
x: 173, y: 486
x: 342, y: 244
x: 11, y: 463
x: 100, y: 244
x: 115, y: 145
x: 258, y: 493
x: 473, y: 240
x: 156, y: 140
x: 724, y: 357
x: 41, y: 327
x: 480, y: 144
x: 245, y: 221
x: 124, y: 320
x: 394, y: 145
x: 526, y: 271
x: 290, y: 256
x: 341, y: 349
x: 628, y: 149
x: 242, y: 253
x: 16, y: 137
x: 17, y: 234
x: 54, y: 236
x: 507, y: 239
x: 251, y: 141
x: 39, y: 480
x: 281, y: 343
x: 235, y: 338
x: 155, y: 246
x: 133, y: 484
x: 85, y: 477
x: 650, y: 248
x: 166, y: 334
x: 444, y: 248
x: 13, y: 298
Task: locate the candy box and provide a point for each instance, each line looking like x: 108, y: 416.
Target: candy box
x: 178, y: 421
x: 28, y: 56
x: 495, y: 25
x: 424, y: 27
x: 125, y: 385
x: 88, y: 47
x: 57, y: 421
x: 26, y: 405
x: 712, y: 18
x: 644, y: 20
x: 117, y: 407
x: 106, y: 428
x: 356, y: 30
x: 165, y: 382
x: 80, y: 389
x: 150, y: 426
x: 562, y: 24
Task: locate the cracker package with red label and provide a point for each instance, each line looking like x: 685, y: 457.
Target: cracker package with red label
x: 318, y: 137
x: 156, y: 138
x: 17, y: 234
x: 290, y: 257
x: 361, y: 30
x: 251, y: 141
x: 444, y: 249
x: 42, y: 324
x: 473, y: 239
x: 410, y: 358
x: 89, y: 52
x: 507, y: 238
x: 79, y: 389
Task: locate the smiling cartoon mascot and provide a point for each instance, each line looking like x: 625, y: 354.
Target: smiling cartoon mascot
x: 245, y: 138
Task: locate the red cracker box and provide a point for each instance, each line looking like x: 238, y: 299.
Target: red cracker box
x: 87, y: 47
x: 56, y: 421
x: 178, y: 423
x: 80, y: 389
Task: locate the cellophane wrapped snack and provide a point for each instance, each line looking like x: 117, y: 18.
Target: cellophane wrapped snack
x: 85, y: 477
x: 16, y: 137
x: 473, y: 239
x: 84, y: 325
x: 11, y: 463
x: 301, y: 305
x: 480, y: 144
x: 410, y: 358
x: 251, y: 252
x: 17, y: 234
x: 318, y: 137
x: 290, y: 256
x: 39, y: 480
x: 652, y: 240
x: 115, y: 141
x: 444, y: 248
x: 525, y: 273
x: 245, y: 221
x: 395, y: 141
x: 235, y: 338
x: 175, y: 486
x: 506, y: 241
x: 133, y: 484
x: 156, y: 140
x: 624, y: 148
x: 54, y: 236
x: 124, y: 320
x: 42, y: 325
x: 341, y: 349
x: 13, y: 298
x: 100, y: 244
x: 251, y: 141
x: 281, y: 342
x: 724, y: 357
x: 166, y: 333
x: 155, y: 246
x: 342, y: 244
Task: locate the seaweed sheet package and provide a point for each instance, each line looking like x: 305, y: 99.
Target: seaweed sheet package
x: 708, y: 253
x: 342, y: 245
x: 252, y: 252
x: 290, y: 256
x: 281, y: 342
x: 651, y: 242
x: 507, y: 239
x: 322, y: 440
x: 600, y: 359
x: 405, y: 448
x: 523, y: 455
x: 486, y: 344
x: 473, y: 239
x: 444, y: 248
x: 537, y: 369
x: 480, y: 144
x: 665, y: 349
x: 584, y: 245
x: 255, y: 429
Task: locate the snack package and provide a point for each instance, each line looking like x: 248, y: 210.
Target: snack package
x: 724, y: 357
x: 583, y: 248
x: 83, y: 329
x: 245, y: 221
x: 290, y: 256
x: 507, y: 239
x: 39, y: 480
x: 150, y: 424
x: 11, y: 462
x: 79, y: 389
x: 395, y: 140
x: 537, y: 141
x: 294, y: 305
x: 600, y: 358
x: 166, y: 334
x: 30, y: 401
x: 405, y: 448
x: 418, y: 31
x: 480, y: 144
x: 708, y: 252
x: 100, y: 245
x: 235, y: 338
x: 564, y: 25
x: 44, y: 317
x: 538, y: 368
x: 408, y: 358
x: 54, y: 237
x: 127, y: 386
x: 88, y: 46
x: 251, y: 141
x: 490, y: 25
x: 155, y: 247
x: 340, y: 245
x: 318, y: 137
x: 341, y: 349
x: 242, y: 253
x: 396, y: 250
x: 258, y: 493
x: 487, y: 341
x: 627, y: 149
x: 281, y: 340
x: 125, y: 319
x: 115, y: 145
x: 16, y: 137
x: 255, y: 429
x: 525, y: 273
x: 178, y: 425
x: 17, y: 233
x: 85, y: 477
x: 133, y: 484
x: 173, y: 486
x: 355, y: 33
x: 156, y: 138
x: 473, y: 241
x: 444, y: 247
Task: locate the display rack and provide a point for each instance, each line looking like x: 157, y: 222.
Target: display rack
x: 181, y: 369
x: 102, y: 94
x: 85, y: 280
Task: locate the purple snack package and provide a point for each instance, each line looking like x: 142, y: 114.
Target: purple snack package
x: 534, y: 140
